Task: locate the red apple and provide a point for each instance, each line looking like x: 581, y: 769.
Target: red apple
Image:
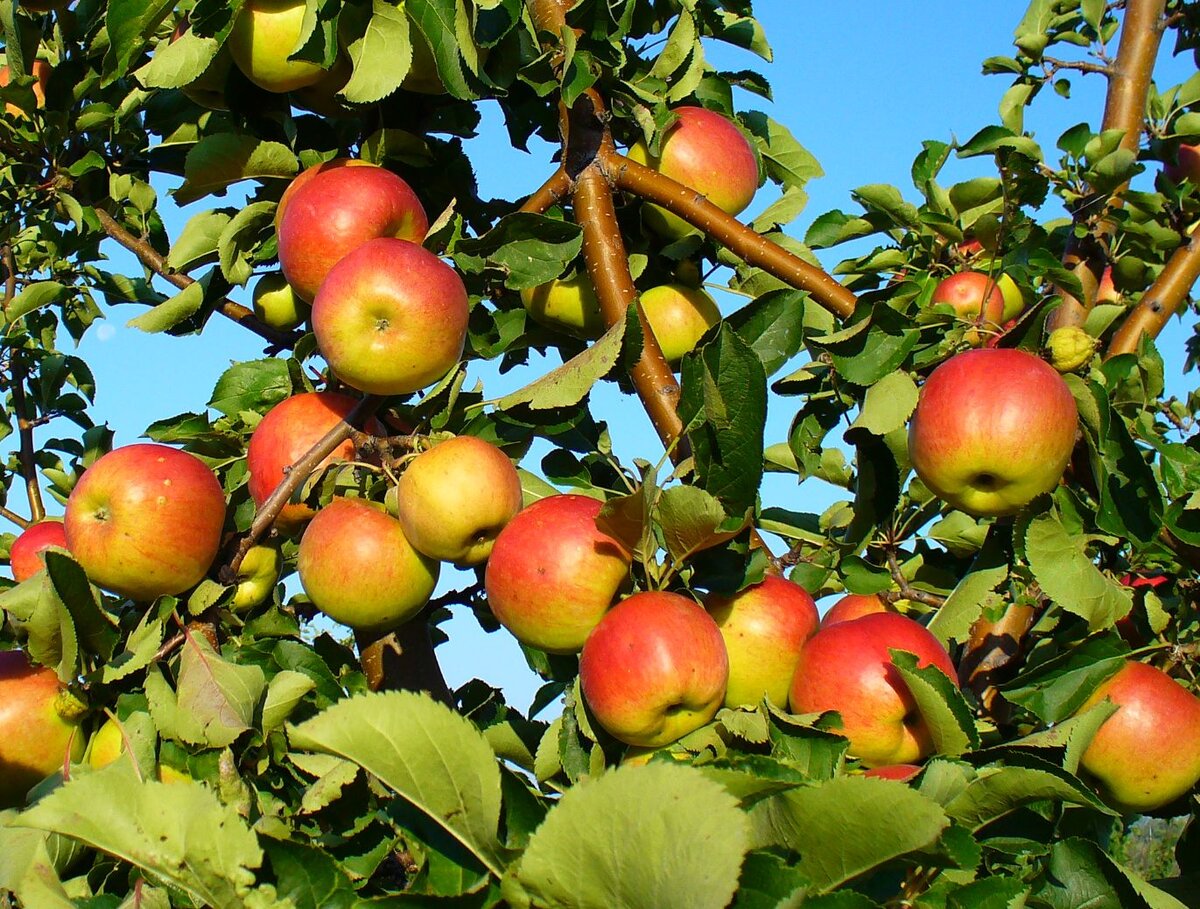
x: 26, y: 553
x: 764, y: 627
x: 705, y: 152
x: 455, y: 498
x: 853, y: 606
x: 992, y: 429
x: 1147, y: 754
x: 145, y: 521
x: 40, y: 70
x: 901, y: 773
x: 654, y: 669
x: 1187, y: 164
x: 391, y: 317
x: 358, y: 568
x: 336, y: 210
x: 553, y: 574
x: 307, y: 175
x: 37, y: 734
x: 847, y: 667
x: 976, y: 298
x: 288, y: 431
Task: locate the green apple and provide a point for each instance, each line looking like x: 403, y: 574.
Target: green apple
x: 256, y: 578
x: 263, y: 36
x: 679, y: 316
x: 566, y: 304
x: 276, y: 305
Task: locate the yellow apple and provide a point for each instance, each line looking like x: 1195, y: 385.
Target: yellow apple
x: 679, y: 316
x: 263, y: 35
x: 566, y: 304
x: 257, y: 576
x: 276, y: 305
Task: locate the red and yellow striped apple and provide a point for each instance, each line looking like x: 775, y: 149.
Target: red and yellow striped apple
x: 26, y: 555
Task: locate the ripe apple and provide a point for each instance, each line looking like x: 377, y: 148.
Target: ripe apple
x: 901, y: 773
x: 704, y: 152
x: 455, y: 498
x: 679, y: 316
x: 276, y: 305
x: 26, y: 554
x: 566, y: 304
x: 336, y: 210
x: 37, y: 733
x: 976, y: 298
x: 553, y: 574
x: 847, y: 667
x: 290, y: 429
x: 359, y: 569
x: 40, y: 70
x: 256, y: 578
x: 307, y: 175
x: 391, y: 317
x: 1147, y: 753
x: 1186, y: 166
x: 263, y: 36
x: 764, y: 627
x: 853, y: 606
x: 145, y: 521
x: 654, y: 669
x: 992, y: 429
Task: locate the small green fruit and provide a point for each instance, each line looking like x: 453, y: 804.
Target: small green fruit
x: 276, y: 305
x: 1070, y: 348
x: 256, y: 578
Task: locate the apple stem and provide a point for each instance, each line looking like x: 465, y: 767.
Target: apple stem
x: 905, y: 590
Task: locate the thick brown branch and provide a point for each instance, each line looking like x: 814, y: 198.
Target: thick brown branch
x: 739, y: 239
x: 1160, y: 301
x: 153, y: 260
x: 993, y: 647
x: 404, y: 659
x: 550, y: 193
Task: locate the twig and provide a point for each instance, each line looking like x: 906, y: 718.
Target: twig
x: 1160, y: 301
x: 14, y: 517
x: 26, y: 454
x: 905, y: 590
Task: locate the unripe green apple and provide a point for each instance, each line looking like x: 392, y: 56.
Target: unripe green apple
x: 706, y: 153
x: 1070, y: 348
x: 276, y: 305
x: 853, y: 606
x: 358, y: 568
x: 992, y: 429
x: 567, y: 304
x: 256, y: 578
x: 455, y: 498
x: 1147, y: 754
x: 35, y: 736
x: 679, y: 316
x: 263, y: 36
x: 207, y: 89
x: 764, y: 627
x: 108, y: 744
x: 654, y: 669
x: 26, y: 556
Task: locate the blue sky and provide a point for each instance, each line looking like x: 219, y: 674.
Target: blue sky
x: 859, y: 89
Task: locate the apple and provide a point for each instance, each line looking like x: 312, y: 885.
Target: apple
x: 108, y: 744
x: 145, y: 521
x: 901, y: 773
x: 853, y: 606
x: 391, y: 317
x: 305, y: 176
x: 263, y: 36
x: 359, y: 569
x: 287, y: 432
x: 1147, y: 754
x: 40, y: 70
x: 847, y: 667
x: 566, y: 304
x: 992, y: 429
x: 337, y: 210
x: 37, y: 731
x: 1187, y: 164
x: 1070, y: 348
x: 679, y: 316
x: 553, y: 573
x: 276, y: 305
x: 705, y: 152
x: 455, y: 498
x: 654, y: 669
x: 764, y: 627
x: 26, y: 553
x: 976, y: 298
x: 256, y: 578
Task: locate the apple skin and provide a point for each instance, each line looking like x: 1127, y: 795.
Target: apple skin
x: 975, y: 297
x: 256, y: 578
x: 553, y: 573
x: 901, y: 773
x: 455, y: 498
x: 290, y: 429
x: 145, y: 521
x: 276, y: 305
x: 35, y: 739
x: 704, y: 152
x: 108, y: 743
x: 1147, y: 754
x: 679, y: 316
x: 847, y: 667
x: 263, y: 35
x: 764, y: 628
x: 40, y: 70
x: 992, y: 429
x: 26, y: 554
x: 358, y: 568
x: 1187, y: 165
x: 306, y: 176
x: 337, y: 210
x: 391, y: 317
x: 853, y: 606
x: 654, y: 669
x: 568, y: 305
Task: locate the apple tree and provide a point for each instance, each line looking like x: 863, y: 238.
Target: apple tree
x: 221, y: 683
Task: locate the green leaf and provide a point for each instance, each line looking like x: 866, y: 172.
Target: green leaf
x: 768, y: 882
x: 616, y: 841
x: 888, y: 404
x: 241, y: 237
x: 220, y: 697
x: 34, y: 296
x: 256, y: 385
x: 445, y: 26
x: 165, y: 316
x: 130, y: 25
x: 430, y: 756
x: 530, y: 249
x: 886, y: 200
x: 178, y: 61
x: 975, y: 592
x: 382, y: 57
x: 285, y: 691
x: 1079, y: 873
x: 30, y: 862
x: 946, y: 712
x: 197, y: 242
x: 309, y: 876
x: 1056, y: 688
x: 217, y: 161
x: 848, y: 825
x: 871, y: 348
x: 692, y: 519
x: 1000, y: 789
x: 96, y: 629
x: 785, y: 159
x: 570, y: 383
x: 773, y: 326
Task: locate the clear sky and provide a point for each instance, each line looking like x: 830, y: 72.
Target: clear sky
x: 860, y: 85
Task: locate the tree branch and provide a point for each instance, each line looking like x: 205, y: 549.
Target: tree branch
x: 14, y: 517
x: 25, y: 421
x: 554, y: 190
x: 404, y: 659
x: 1160, y: 301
